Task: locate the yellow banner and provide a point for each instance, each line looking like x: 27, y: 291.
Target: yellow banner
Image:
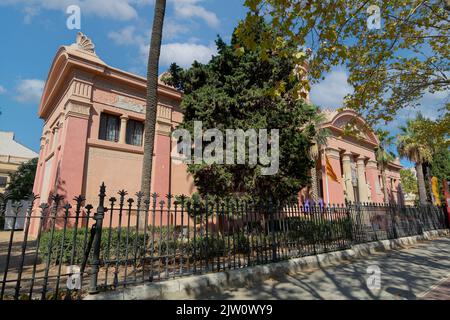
x: 435, y: 188
x: 330, y: 171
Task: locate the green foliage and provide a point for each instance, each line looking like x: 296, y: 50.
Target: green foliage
x: 238, y: 89
x: 21, y: 181
x: 411, y: 144
x: 383, y: 155
x: 319, y: 231
x: 440, y: 165
x: 65, y: 257
x: 409, y: 181
x: 390, y: 68
x: 203, y: 247
x: 440, y: 168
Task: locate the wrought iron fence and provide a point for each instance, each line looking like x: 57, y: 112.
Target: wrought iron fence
x: 65, y: 252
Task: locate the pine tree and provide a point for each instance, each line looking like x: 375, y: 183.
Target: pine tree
x: 238, y: 89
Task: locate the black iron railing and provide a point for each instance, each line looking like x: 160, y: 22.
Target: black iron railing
x: 64, y: 252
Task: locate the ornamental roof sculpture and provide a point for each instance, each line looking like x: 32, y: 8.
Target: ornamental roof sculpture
x: 85, y: 43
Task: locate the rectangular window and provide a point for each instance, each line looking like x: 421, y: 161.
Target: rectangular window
x: 3, y: 182
x: 109, y: 127
x: 135, y: 132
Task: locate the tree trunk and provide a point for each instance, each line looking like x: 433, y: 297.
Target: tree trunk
x: 385, y: 191
x: 421, y: 184
x: 152, y: 96
x: 430, y: 186
x: 314, y: 184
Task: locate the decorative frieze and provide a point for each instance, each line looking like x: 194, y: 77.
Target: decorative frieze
x: 128, y: 104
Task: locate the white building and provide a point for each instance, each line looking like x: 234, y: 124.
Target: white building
x: 12, y: 154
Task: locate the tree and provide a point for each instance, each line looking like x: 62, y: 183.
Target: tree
x: 152, y: 96
x: 440, y: 167
x: 433, y: 134
x: 410, y: 146
x: 384, y: 156
x: 319, y: 139
x: 390, y: 68
x: 236, y: 90
x: 21, y: 181
x: 409, y: 181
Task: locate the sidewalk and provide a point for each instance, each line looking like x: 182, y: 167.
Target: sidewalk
x: 419, y: 272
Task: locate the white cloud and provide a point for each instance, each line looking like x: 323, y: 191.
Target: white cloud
x: 189, y: 9
x: 430, y: 106
x: 29, y: 91
x: 330, y: 92
x: 114, y: 9
x: 173, y: 29
x: 2, y: 90
x: 126, y: 36
x: 184, y: 54
x: 30, y: 13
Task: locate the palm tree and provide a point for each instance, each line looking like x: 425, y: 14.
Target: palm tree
x: 411, y: 146
x: 152, y: 96
x: 319, y: 140
x: 384, y: 156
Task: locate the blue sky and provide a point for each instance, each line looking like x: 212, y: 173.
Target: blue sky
x: 32, y: 31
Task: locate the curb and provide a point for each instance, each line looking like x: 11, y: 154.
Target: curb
x: 240, y: 277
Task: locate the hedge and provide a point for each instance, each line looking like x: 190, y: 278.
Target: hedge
x: 201, y: 248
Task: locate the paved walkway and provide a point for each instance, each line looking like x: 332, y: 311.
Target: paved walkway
x: 420, y: 272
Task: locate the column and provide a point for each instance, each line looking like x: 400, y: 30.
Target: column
x: 372, y: 178
x: 55, y: 137
x: 347, y: 167
x: 37, y: 186
x: 37, y: 179
x: 123, y: 129
x: 362, y: 184
x: 47, y: 142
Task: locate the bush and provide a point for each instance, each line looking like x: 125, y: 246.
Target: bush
x: 202, y: 247
x: 323, y: 230
x: 80, y: 240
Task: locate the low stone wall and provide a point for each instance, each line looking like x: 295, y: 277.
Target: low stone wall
x: 189, y: 286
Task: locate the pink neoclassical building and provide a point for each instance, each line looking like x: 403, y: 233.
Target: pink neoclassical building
x: 353, y: 161
x: 93, y: 129
x: 93, y: 133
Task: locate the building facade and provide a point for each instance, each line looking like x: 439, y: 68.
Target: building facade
x: 93, y: 129
x: 347, y: 166
x: 12, y: 155
x: 93, y: 133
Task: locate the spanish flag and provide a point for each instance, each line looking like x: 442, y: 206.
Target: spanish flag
x: 435, y: 189
x: 330, y: 171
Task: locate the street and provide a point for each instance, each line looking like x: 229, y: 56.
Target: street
x: 419, y: 272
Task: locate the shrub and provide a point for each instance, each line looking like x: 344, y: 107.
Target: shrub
x: 323, y: 230
x: 65, y: 256
x: 202, y: 247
